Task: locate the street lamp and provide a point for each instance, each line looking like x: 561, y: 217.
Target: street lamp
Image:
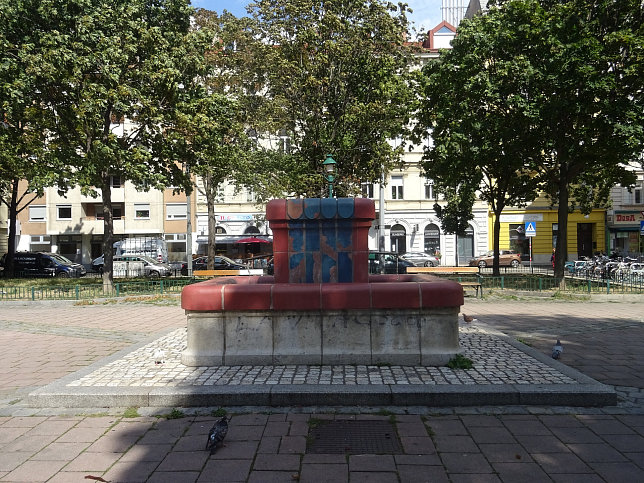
x: 329, y: 170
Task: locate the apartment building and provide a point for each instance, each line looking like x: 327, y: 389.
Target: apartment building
x: 625, y: 218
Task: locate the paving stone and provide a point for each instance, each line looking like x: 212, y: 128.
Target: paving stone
x: 422, y: 445
x: 276, y: 462
x: 561, y: 463
x: 324, y: 473
x: 465, y: 463
x: 60, y: 452
x: 422, y: 474
x: 35, y: 471
x: 523, y: 472
x: 147, y: 452
x: 597, y: 453
x: 93, y: 461
x: 229, y: 470
x: 273, y: 477
x: 173, y: 477
x: 183, y: 461
x: 460, y: 444
x: 371, y: 477
x: 383, y: 463
x: 293, y: 444
x: 130, y: 471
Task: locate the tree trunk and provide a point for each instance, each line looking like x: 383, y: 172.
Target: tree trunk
x: 13, y: 218
x: 108, y: 236
x: 561, y: 249
x: 496, y: 235
x: 211, y: 193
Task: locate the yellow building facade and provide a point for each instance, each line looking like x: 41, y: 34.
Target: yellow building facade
x: 586, y: 233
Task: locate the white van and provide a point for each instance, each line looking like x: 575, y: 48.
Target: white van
x: 155, y: 248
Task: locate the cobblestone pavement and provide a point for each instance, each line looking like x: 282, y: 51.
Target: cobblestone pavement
x: 603, y: 338
x: 500, y: 363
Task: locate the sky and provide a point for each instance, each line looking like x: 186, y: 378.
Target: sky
x: 427, y: 13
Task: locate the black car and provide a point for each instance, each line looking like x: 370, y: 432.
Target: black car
x: 221, y: 263
x: 41, y: 264
x: 392, y: 263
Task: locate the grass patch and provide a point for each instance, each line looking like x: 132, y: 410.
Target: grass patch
x: 524, y: 342
x: 131, y: 413
x: 459, y: 361
x: 219, y: 413
x: 175, y: 414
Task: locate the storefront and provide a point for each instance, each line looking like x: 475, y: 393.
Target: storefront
x: 624, y: 232
x: 586, y: 234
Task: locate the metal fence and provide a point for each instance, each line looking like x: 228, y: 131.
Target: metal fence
x: 544, y: 283
x: 92, y: 291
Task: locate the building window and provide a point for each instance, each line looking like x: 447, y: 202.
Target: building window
x: 396, y: 187
x: 141, y: 211
x: 117, y: 211
x: 116, y: 182
x: 63, y: 212
x: 176, y: 242
x: 518, y: 241
x: 555, y: 232
x: 429, y: 190
x: 40, y: 243
x: 38, y: 213
x: 432, y: 239
x: 367, y: 190
x: 176, y: 211
x: 637, y: 195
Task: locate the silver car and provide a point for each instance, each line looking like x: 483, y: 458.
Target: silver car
x: 132, y: 266
x: 421, y: 259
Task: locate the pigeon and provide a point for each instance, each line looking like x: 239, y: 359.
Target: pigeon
x: 217, y: 434
x: 468, y: 318
x: 159, y: 356
x: 557, y: 350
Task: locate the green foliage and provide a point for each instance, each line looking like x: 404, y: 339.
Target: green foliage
x: 337, y: 76
x: 534, y: 96
x: 131, y: 413
x: 459, y: 361
x: 175, y: 414
x: 218, y: 413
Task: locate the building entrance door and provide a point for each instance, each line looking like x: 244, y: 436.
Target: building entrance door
x: 584, y: 239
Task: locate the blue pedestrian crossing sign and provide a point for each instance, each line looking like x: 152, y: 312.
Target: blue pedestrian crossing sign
x: 642, y: 227
x: 530, y: 228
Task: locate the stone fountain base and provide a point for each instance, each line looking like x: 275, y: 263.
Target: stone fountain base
x: 393, y: 319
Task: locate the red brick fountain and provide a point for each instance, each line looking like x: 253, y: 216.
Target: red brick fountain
x: 321, y: 306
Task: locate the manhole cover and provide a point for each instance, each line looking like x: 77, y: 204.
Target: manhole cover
x: 354, y: 437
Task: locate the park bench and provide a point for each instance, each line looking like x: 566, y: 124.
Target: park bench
x: 218, y: 273
x: 454, y: 271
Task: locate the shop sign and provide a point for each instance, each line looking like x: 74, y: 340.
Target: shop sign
x: 521, y: 218
x: 628, y: 218
x: 235, y: 217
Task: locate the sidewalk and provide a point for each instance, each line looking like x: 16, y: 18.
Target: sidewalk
x: 604, y: 340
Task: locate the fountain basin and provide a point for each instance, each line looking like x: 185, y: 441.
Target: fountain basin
x: 389, y: 319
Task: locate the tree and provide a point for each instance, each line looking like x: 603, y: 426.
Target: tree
x: 590, y: 58
x: 574, y: 90
x: 337, y: 72
x: 119, y: 67
x: 23, y: 116
x: 224, y: 111
x: 476, y: 101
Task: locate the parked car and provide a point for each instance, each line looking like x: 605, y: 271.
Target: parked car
x: 221, y: 263
x: 506, y: 258
x: 139, y: 265
x: 45, y: 264
x: 421, y: 259
x: 393, y: 263
x: 156, y: 248
x: 127, y: 266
